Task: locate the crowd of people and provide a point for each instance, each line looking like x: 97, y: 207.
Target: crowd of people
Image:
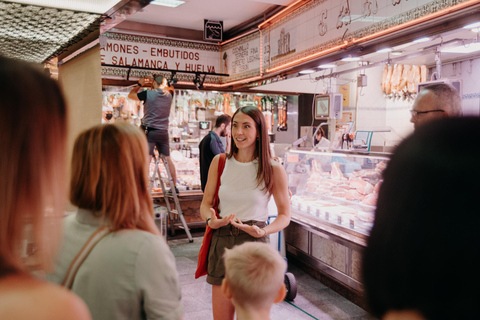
x: 418, y: 262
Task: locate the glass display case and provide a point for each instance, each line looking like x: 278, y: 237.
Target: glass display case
x: 186, y: 161
x: 338, y: 189
x: 333, y: 201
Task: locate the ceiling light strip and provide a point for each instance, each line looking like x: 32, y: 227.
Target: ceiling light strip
x: 307, y: 58
x: 167, y: 3
x: 438, y: 14
x: 233, y: 82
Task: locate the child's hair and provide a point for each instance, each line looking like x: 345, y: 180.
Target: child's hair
x: 255, y: 274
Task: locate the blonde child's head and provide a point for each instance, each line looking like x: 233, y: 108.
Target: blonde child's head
x: 254, y: 276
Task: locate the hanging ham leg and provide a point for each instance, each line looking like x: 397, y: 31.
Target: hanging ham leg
x: 396, y: 77
x: 407, y: 69
x: 388, y: 80
x: 384, y: 78
x: 423, y: 73
x: 413, y: 80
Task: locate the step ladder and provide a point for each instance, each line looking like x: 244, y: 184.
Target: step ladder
x: 169, y: 196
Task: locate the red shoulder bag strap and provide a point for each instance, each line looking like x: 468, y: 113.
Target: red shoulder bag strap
x: 221, y: 166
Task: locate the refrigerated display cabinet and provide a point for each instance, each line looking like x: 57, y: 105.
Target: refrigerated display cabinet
x: 332, y: 207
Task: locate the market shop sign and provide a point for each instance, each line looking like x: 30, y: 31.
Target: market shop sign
x: 319, y: 25
x: 212, y: 30
x: 157, y: 53
x: 241, y: 58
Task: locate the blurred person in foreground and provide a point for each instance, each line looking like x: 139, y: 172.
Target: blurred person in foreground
x: 424, y: 243
x: 436, y: 101
x: 249, y: 180
x: 254, y: 279
x: 211, y: 145
x: 157, y: 104
x: 33, y: 130
x: 130, y: 273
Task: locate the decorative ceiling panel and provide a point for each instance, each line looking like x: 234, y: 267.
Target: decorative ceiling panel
x: 94, y: 6
x: 35, y: 33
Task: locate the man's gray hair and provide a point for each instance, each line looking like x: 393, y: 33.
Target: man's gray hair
x: 448, y: 98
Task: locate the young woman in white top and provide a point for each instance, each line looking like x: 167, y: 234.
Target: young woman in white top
x: 249, y: 179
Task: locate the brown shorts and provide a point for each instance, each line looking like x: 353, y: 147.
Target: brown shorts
x: 226, y: 238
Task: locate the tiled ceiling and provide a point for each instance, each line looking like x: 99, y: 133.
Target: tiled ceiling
x: 93, y: 6
x: 34, y: 33
x: 36, y: 30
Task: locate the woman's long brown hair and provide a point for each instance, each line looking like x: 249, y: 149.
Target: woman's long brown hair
x: 110, y: 176
x: 33, y: 135
x: 262, y: 147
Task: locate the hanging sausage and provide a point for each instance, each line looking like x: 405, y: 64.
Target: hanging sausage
x: 282, y: 114
x: 267, y: 108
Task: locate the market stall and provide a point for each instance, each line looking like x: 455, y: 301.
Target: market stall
x: 193, y: 114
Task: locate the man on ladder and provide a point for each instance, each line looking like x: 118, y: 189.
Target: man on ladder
x: 157, y: 103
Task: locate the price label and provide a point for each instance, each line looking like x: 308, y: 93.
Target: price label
x: 318, y: 212
x: 339, y: 219
x: 352, y: 224
x: 327, y: 215
x: 292, y: 157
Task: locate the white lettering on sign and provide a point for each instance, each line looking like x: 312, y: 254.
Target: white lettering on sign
x: 152, y: 54
x: 241, y: 58
x: 318, y: 25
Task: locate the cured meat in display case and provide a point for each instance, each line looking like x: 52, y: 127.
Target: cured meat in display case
x: 333, y: 203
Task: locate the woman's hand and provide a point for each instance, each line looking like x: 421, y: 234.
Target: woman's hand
x: 254, y: 230
x: 216, y: 223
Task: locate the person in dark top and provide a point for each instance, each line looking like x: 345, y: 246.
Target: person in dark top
x: 425, y: 234
x: 157, y: 103
x: 211, y: 145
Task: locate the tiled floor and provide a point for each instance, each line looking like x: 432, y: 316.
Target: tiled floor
x: 317, y: 300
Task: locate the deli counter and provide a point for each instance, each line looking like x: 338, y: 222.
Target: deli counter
x: 333, y: 199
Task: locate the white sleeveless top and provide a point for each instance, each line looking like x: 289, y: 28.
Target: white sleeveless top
x: 239, y: 193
